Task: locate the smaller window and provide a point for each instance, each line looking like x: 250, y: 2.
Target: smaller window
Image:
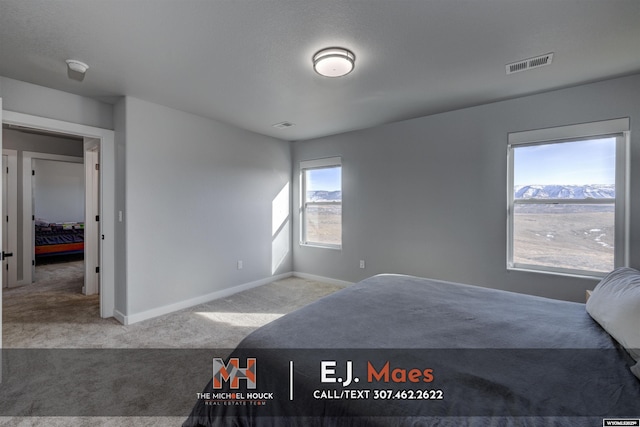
x: 321, y: 210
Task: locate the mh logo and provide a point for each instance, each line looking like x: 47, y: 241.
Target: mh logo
x: 233, y: 373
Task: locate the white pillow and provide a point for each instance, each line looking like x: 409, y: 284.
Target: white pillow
x: 615, y: 305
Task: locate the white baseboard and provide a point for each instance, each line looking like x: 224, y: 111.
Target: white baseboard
x: 120, y: 317
x: 322, y: 279
x: 149, y: 314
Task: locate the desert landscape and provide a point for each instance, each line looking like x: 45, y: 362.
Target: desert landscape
x: 564, y: 236
x: 571, y: 236
x: 324, y: 224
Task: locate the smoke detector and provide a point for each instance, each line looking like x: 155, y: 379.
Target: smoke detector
x: 76, y: 69
x: 77, y: 66
x: 530, y: 63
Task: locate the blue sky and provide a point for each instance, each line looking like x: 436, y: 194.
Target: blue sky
x: 570, y: 163
x: 326, y: 179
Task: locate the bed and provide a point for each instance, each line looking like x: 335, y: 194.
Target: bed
x: 457, y: 355
x: 51, y: 239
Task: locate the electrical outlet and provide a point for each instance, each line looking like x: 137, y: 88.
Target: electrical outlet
x: 240, y: 264
x: 361, y: 263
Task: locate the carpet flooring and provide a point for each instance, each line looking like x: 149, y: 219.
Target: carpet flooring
x: 52, y: 313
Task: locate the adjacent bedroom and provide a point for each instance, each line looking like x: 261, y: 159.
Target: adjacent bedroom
x: 44, y: 206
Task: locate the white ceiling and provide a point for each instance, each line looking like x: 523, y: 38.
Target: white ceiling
x: 248, y: 62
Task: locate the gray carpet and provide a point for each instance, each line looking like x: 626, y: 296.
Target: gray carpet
x: 53, y: 314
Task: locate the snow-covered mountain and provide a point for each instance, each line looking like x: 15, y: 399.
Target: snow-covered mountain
x: 593, y: 191
x: 324, y: 196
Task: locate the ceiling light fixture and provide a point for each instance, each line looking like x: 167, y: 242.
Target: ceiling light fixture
x: 334, y: 62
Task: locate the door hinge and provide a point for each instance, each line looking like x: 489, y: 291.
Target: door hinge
x: 97, y: 166
x: 97, y: 269
x: 33, y: 172
x: 97, y: 217
x: 33, y: 262
x: 33, y: 217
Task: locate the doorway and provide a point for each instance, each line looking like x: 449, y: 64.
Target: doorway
x: 101, y: 144
x: 58, y: 191
x: 54, y: 217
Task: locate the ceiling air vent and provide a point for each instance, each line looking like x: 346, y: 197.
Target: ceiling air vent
x: 283, y: 125
x: 529, y: 64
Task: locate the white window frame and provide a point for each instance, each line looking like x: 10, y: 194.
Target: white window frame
x: 618, y: 128
x: 329, y: 162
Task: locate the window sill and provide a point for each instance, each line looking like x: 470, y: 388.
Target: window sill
x: 321, y: 246
x: 578, y: 275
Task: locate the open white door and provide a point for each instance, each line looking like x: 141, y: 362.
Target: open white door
x: 9, y: 217
x: 92, y: 216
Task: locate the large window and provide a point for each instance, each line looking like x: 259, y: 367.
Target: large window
x: 321, y: 197
x: 567, y: 198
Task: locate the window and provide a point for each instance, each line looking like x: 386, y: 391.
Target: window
x: 567, y: 192
x: 321, y: 198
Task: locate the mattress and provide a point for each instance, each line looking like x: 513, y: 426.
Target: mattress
x: 397, y: 350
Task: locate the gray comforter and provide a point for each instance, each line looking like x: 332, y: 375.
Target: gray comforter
x: 498, y: 358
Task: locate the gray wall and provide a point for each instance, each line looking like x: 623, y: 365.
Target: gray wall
x: 427, y: 196
x: 41, y: 101
x: 23, y: 141
x: 58, y: 191
x: 199, y: 197
x: 424, y: 197
x: 120, y: 262
x: 196, y: 196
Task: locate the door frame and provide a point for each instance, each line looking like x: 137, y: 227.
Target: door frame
x: 12, y: 213
x: 91, y: 149
x: 106, y: 139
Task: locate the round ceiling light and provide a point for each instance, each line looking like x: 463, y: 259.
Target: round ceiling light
x: 334, y: 62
